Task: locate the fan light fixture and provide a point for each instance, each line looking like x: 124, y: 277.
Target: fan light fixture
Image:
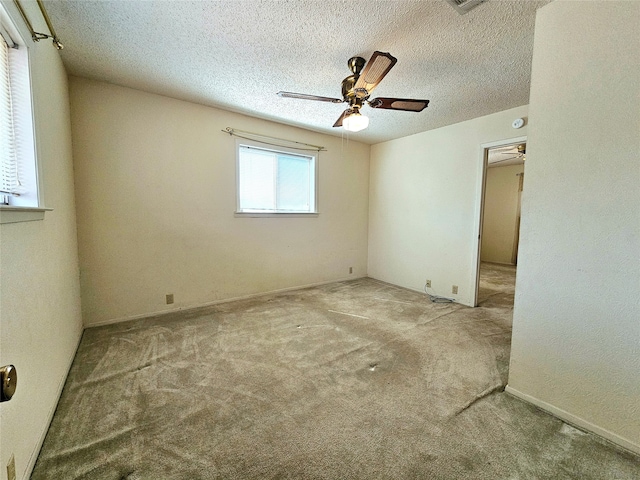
x: 355, y: 122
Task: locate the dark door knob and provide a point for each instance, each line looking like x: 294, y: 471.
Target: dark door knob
x: 9, y: 380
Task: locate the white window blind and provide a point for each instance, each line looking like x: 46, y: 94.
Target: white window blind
x: 18, y: 179
x: 9, y: 163
x: 275, y: 182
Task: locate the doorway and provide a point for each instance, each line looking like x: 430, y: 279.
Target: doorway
x: 499, y: 222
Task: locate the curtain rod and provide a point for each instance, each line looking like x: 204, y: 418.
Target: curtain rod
x: 237, y: 133
x: 37, y: 36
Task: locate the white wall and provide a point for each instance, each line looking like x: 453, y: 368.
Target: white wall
x: 500, y: 217
x: 156, y: 195
x: 40, y: 317
x: 576, y: 327
x: 424, y: 204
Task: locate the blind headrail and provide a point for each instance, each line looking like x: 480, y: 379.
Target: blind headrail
x: 256, y: 137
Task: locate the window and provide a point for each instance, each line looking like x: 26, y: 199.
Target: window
x: 279, y: 181
x: 18, y: 179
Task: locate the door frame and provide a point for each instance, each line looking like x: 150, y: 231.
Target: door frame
x: 516, y: 235
x: 481, y: 186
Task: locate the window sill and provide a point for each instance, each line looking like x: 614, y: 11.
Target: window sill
x: 273, y: 215
x: 10, y: 214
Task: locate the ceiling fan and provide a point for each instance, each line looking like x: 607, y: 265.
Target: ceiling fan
x: 357, y: 88
x: 520, y: 153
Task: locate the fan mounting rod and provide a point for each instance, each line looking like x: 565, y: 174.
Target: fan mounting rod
x: 356, y: 64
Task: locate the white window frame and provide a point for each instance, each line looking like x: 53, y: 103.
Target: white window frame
x: 27, y: 206
x: 286, y: 150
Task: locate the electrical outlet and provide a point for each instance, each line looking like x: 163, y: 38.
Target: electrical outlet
x: 11, y: 468
x: 454, y: 289
x: 428, y: 283
x: 169, y: 298
x: 350, y: 269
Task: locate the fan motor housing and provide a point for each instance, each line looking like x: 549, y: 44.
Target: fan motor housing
x: 351, y: 94
x: 347, y: 87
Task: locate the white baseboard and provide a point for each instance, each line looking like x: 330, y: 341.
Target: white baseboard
x: 216, y: 302
x: 576, y: 421
x: 453, y: 298
x: 52, y: 411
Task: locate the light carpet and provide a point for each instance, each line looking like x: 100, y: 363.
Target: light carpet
x: 351, y: 380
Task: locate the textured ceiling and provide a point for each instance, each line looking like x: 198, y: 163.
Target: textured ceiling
x: 237, y: 54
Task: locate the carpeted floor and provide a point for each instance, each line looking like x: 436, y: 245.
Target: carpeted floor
x: 352, y: 380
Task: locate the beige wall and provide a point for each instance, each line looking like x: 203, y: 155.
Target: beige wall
x: 424, y: 204
x: 156, y: 195
x: 576, y: 328
x: 500, y: 213
x: 40, y: 318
